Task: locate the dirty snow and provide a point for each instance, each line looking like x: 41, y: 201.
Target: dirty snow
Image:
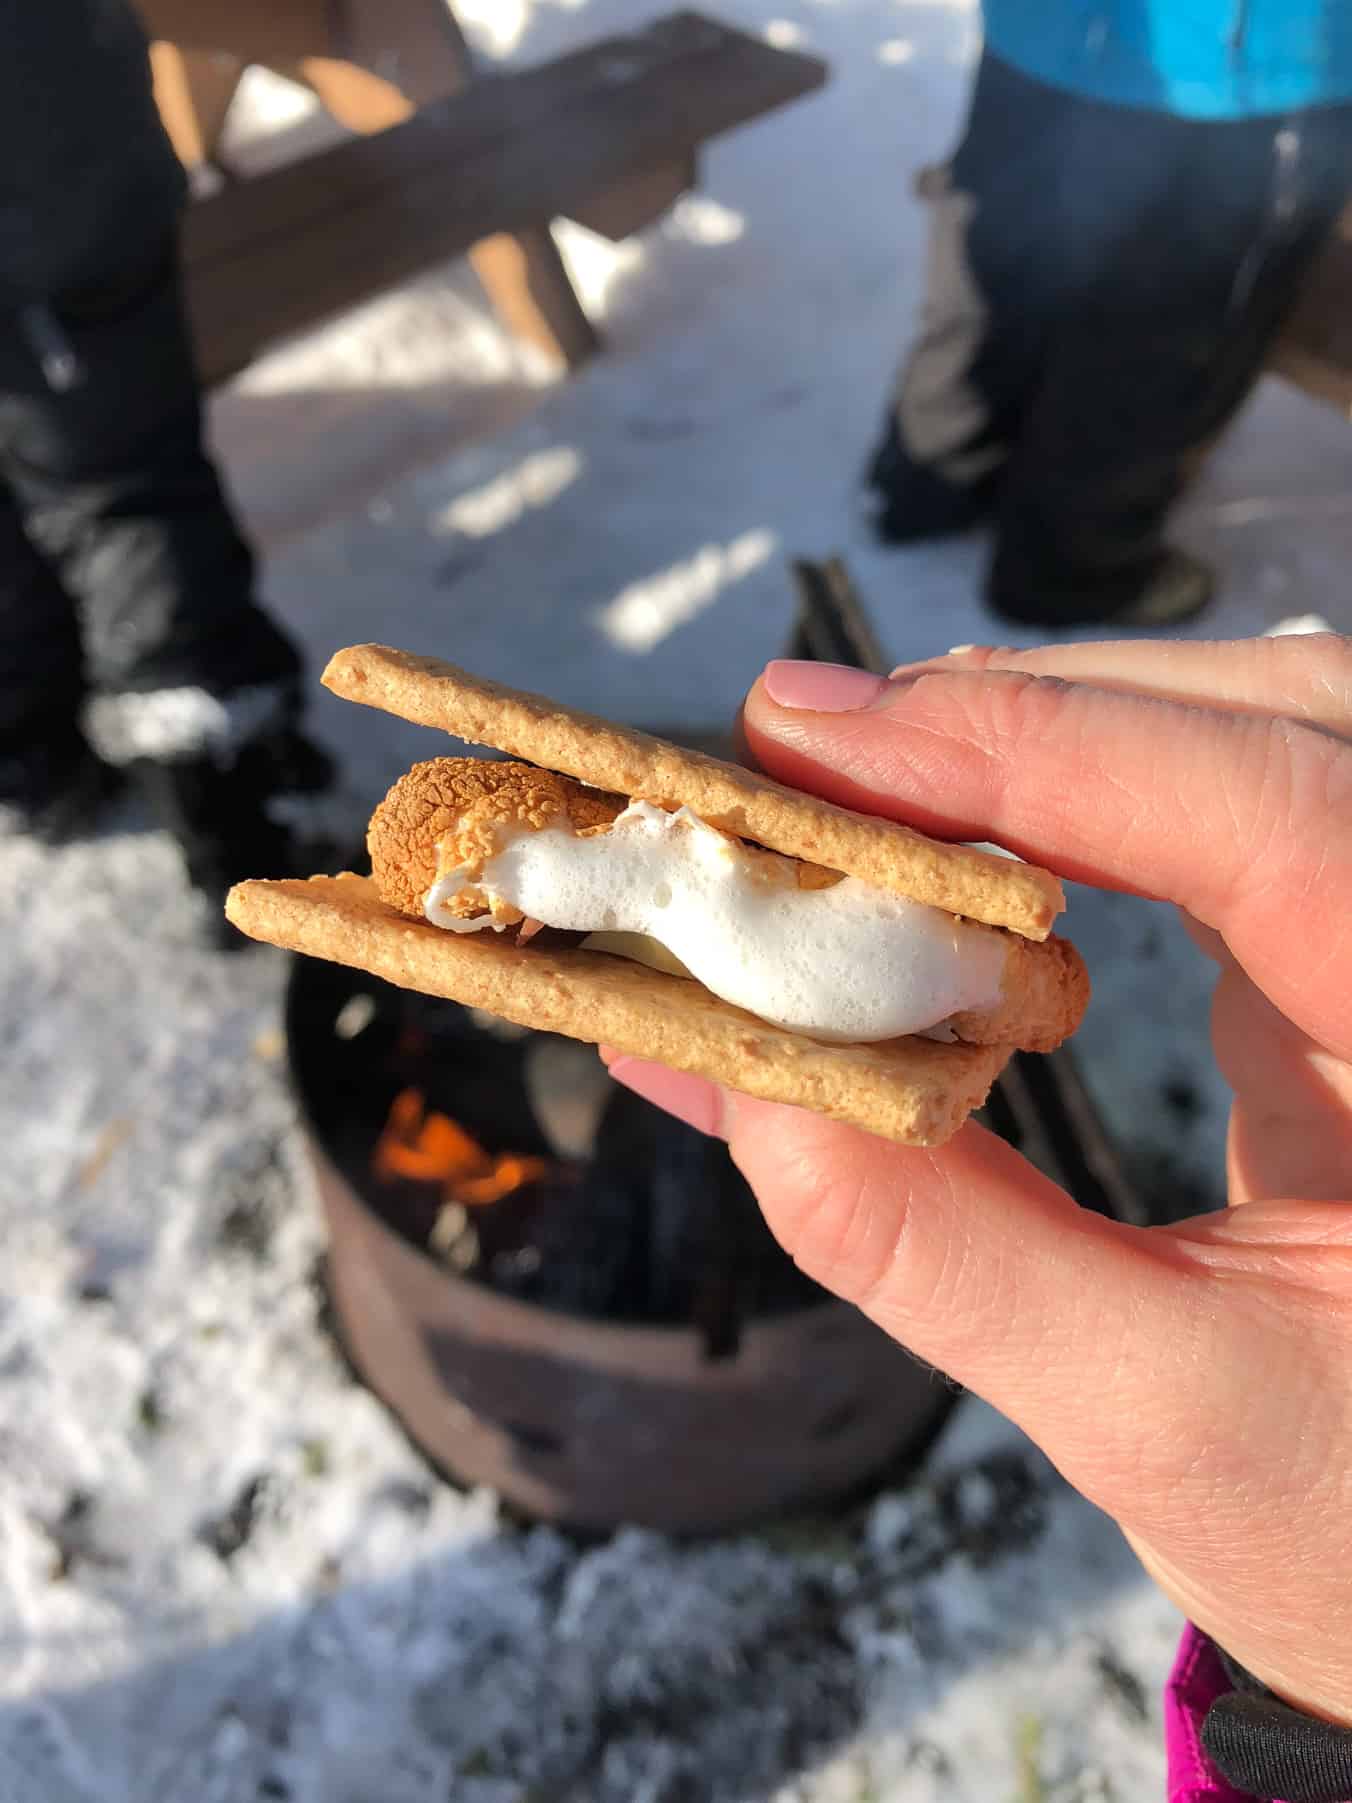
x: 226, y: 1576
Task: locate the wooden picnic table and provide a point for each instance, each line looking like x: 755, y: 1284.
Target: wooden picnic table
x: 444, y: 162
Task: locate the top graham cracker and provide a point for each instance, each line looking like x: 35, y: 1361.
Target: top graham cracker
x: 957, y: 878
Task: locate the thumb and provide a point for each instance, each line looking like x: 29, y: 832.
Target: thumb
x: 1086, y: 1333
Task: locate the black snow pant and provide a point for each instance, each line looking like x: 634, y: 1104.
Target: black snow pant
x: 1104, y: 286
x: 126, y: 589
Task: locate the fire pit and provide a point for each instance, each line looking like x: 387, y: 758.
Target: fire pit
x: 565, y: 1294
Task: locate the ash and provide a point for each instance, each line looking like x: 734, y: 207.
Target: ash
x: 225, y: 1577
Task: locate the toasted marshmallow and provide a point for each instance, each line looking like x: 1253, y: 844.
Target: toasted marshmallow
x: 847, y: 962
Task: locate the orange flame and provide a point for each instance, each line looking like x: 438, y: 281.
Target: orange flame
x: 432, y: 1148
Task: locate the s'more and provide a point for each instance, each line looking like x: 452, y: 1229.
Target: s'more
x: 604, y: 884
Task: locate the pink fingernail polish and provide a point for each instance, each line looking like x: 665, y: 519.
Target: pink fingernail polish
x: 821, y: 688
x: 691, y: 1099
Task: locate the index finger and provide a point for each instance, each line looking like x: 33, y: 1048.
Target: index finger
x: 1243, y: 819
x: 1305, y: 676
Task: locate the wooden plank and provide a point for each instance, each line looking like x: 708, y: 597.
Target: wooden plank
x: 1315, y: 350
x: 508, y: 154
x: 401, y: 41
x: 371, y: 63
x: 416, y: 44
x: 419, y: 45
x: 525, y: 278
x: 255, y: 31
x: 352, y: 95
x: 475, y: 124
x: 637, y: 199
x: 1321, y: 379
x: 193, y: 91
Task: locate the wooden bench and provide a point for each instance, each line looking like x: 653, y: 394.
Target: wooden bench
x: 1315, y: 351
x: 607, y: 136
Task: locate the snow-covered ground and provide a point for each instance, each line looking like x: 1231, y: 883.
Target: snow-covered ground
x: 223, y: 1574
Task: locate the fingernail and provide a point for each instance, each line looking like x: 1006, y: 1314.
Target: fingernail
x: 694, y: 1100
x: 957, y: 650
x: 821, y: 688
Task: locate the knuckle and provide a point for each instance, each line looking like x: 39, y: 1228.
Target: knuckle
x: 850, y: 1227
x: 831, y: 1238
x: 1299, y: 834
x: 1011, y: 710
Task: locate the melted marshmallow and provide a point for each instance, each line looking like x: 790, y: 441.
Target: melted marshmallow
x: 846, y: 963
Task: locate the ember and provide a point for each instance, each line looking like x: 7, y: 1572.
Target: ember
x: 432, y: 1148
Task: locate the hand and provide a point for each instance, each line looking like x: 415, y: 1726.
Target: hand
x: 1195, y: 1381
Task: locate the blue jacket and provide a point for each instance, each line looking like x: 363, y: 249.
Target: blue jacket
x: 1202, y: 59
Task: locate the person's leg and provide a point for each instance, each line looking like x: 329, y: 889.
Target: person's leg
x: 1165, y: 344
x: 996, y: 264
x: 119, y: 494
x: 44, y: 761
x: 188, y: 676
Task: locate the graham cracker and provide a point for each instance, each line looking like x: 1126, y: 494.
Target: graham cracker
x: 910, y: 1090
x: 959, y: 878
x: 1046, y: 991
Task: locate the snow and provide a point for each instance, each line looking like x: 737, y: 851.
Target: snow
x: 226, y: 1575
